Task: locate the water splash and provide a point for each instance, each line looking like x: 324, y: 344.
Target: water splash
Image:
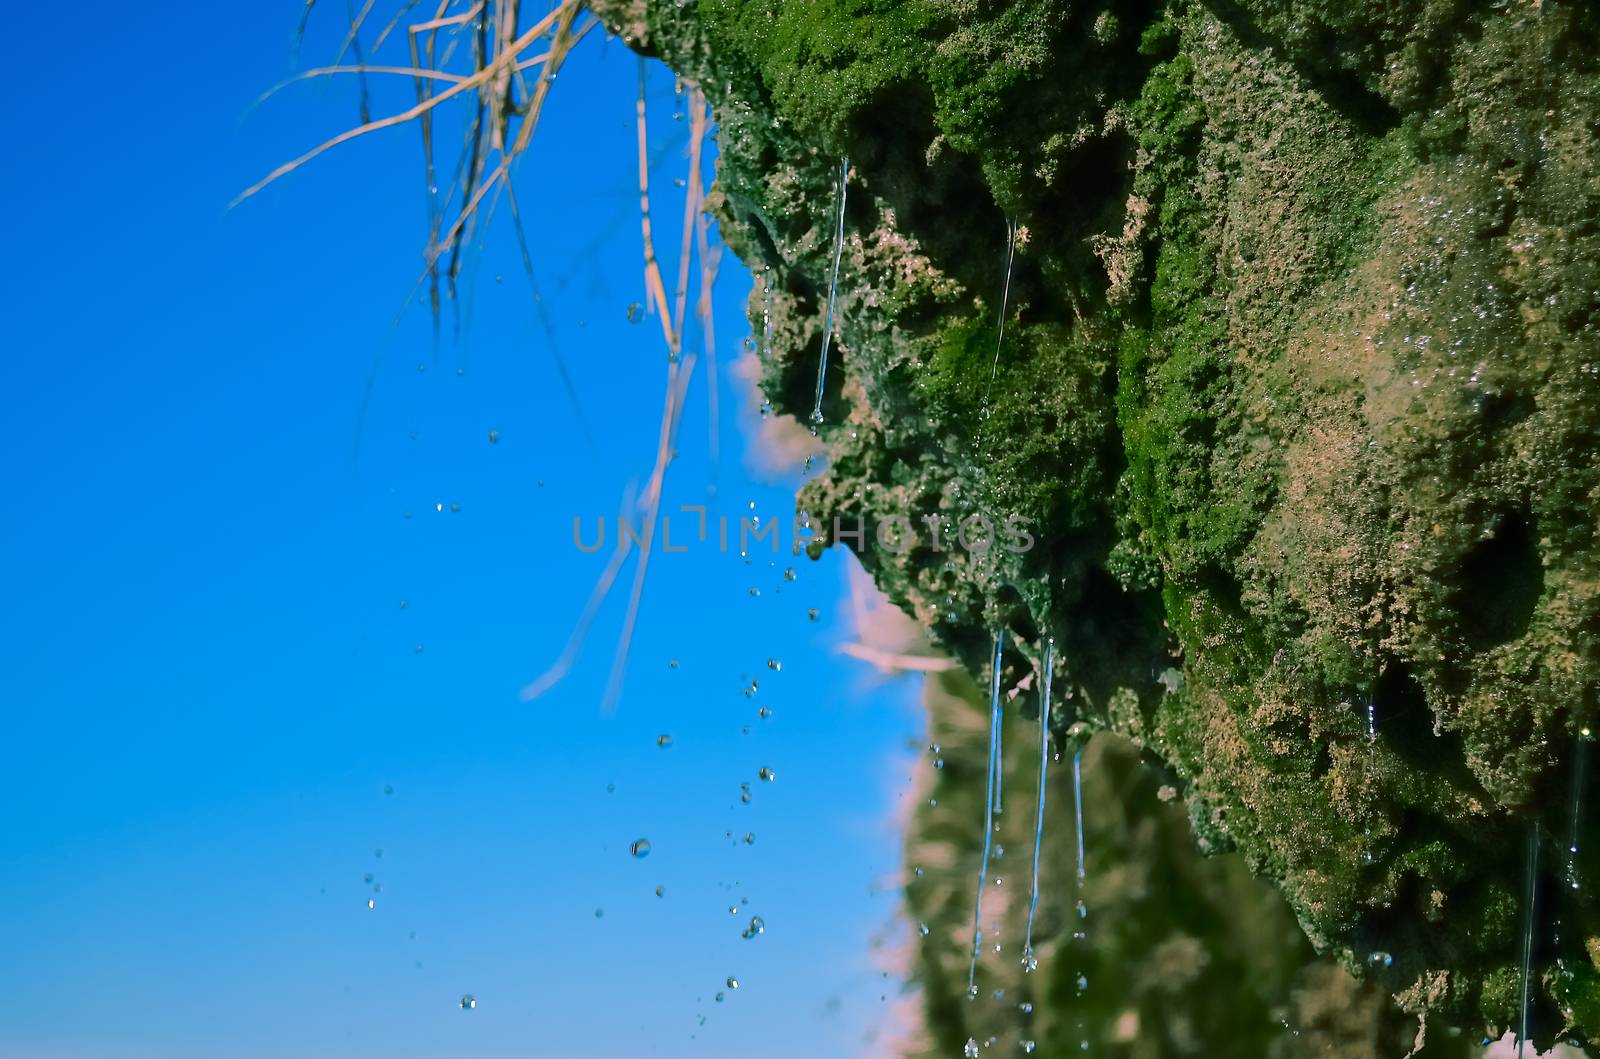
x: 1005, y: 298
x: 995, y: 710
x: 1028, y: 961
x: 1530, y: 887
x: 833, y: 290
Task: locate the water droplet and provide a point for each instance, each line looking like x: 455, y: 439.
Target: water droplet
x: 664, y: 742
x: 774, y: 664
x: 719, y: 998
x: 494, y: 437
x: 635, y: 313
x: 749, y: 838
x: 757, y: 926
x: 468, y: 1002
x: 733, y: 983
x: 971, y: 1050
x: 388, y: 788
x: 789, y: 574
x: 764, y: 712
x: 661, y: 891
x: 640, y: 847
x: 1028, y: 1046
x: 610, y: 787
x: 1025, y: 1007
x: 371, y: 903
x: 812, y: 613
x: 922, y: 928
x: 938, y: 763
x: 599, y: 913
x: 767, y: 774
x: 1380, y: 961
x: 1082, y: 984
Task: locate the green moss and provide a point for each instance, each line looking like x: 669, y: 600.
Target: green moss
x: 1297, y: 391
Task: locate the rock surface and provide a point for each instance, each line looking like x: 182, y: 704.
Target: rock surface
x: 1298, y: 396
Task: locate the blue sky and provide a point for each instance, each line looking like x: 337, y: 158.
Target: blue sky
x: 210, y: 681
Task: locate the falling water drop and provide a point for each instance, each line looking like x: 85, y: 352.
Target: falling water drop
x: 971, y: 1050
x: 635, y: 313
x: 988, y: 813
x: 640, y: 847
x: 733, y: 983
x: 1038, y: 820
x: 664, y: 742
x: 767, y: 774
x: 833, y: 290
x: 468, y: 1002
x: 1380, y: 961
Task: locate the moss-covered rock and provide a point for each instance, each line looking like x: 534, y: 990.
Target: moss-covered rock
x: 1299, y: 396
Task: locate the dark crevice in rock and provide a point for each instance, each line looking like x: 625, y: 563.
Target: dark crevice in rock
x: 1500, y: 583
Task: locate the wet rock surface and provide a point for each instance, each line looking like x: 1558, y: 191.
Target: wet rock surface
x: 1298, y: 399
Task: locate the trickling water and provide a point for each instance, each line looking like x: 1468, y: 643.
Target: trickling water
x: 1580, y: 754
x: 1005, y: 297
x: 1531, y: 870
x: 1083, y: 909
x: 997, y: 752
x: 1038, y: 819
x: 833, y: 290
x: 988, y: 815
x: 1077, y: 803
x: 766, y: 313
